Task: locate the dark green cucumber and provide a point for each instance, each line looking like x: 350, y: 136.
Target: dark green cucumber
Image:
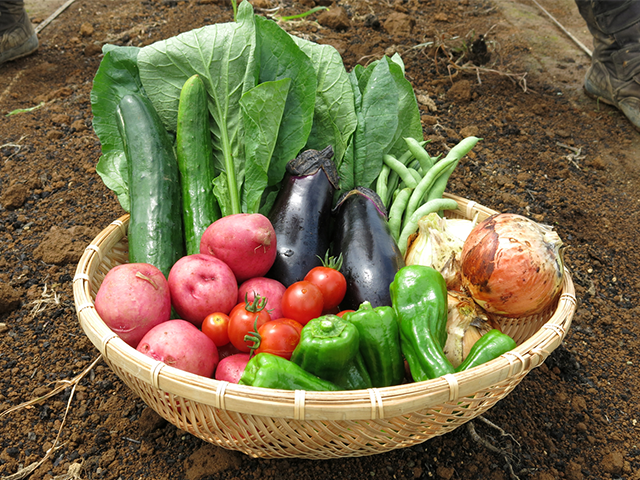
x: 155, y: 228
x: 195, y: 161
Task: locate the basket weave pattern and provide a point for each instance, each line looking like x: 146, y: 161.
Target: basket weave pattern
x: 317, y: 425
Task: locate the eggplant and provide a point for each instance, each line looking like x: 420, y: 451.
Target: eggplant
x: 301, y: 215
x: 370, y: 255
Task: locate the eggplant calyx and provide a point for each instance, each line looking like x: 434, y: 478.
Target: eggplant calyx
x: 310, y: 161
x: 367, y: 193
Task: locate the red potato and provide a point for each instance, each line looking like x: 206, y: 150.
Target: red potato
x: 244, y: 241
x: 132, y: 299
x: 231, y: 368
x: 180, y: 344
x: 201, y: 284
x: 268, y: 288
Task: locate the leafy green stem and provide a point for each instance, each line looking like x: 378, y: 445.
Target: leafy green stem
x: 234, y: 194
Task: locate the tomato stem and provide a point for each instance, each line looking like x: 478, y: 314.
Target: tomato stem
x: 331, y: 262
x: 258, y: 304
x: 254, y: 337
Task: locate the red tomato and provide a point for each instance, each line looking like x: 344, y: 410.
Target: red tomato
x: 332, y: 284
x: 290, y: 321
x: 216, y: 327
x: 279, y: 337
x: 341, y: 313
x: 242, y: 321
x: 302, y: 301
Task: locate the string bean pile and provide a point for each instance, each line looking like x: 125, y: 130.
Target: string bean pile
x: 412, y: 186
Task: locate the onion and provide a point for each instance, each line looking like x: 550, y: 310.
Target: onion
x: 466, y: 323
x: 512, y: 266
x: 438, y: 244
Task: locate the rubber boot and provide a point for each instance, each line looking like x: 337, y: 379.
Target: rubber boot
x: 17, y: 36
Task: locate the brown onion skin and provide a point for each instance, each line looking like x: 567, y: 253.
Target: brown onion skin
x: 512, y: 266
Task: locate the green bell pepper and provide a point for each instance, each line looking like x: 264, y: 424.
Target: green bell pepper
x: 419, y: 297
x: 329, y: 348
x: 271, y: 371
x: 379, y: 343
x: 489, y: 346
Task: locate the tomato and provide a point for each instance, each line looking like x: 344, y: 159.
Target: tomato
x: 279, y: 337
x: 343, y: 312
x: 302, y: 301
x: 330, y: 281
x: 242, y: 321
x: 290, y: 321
x: 216, y: 327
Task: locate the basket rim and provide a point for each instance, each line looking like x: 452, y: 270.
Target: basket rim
x: 374, y: 403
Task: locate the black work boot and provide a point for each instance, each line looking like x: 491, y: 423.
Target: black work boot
x: 614, y: 75
x: 17, y: 36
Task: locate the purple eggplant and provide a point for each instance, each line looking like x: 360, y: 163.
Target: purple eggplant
x: 301, y: 215
x: 370, y: 255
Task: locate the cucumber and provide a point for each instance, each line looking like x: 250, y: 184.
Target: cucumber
x: 155, y: 227
x: 195, y: 161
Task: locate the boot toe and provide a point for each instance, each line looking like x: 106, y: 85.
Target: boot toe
x: 18, y: 39
x: 630, y: 106
x: 601, y: 84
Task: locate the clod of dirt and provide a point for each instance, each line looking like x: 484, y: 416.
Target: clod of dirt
x: 399, y: 24
x: 86, y: 29
x: 460, y: 91
x: 9, y: 298
x: 61, y: 246
x: 14, y: 197
x: 335, y: 18
x: 17, y: 193
x: 209, y: 460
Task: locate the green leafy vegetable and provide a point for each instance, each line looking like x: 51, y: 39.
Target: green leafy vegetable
x: 281, y: 58
x: 224, y: 56
x: 270, y: 95
x: 386, y: 111
x: 334, y: 119
x: 262, y: 108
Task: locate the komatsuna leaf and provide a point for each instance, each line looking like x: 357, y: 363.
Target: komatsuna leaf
x: 377, y: 122
x: 281, y: 58
x: 113, y: 170
x: 409, y: 124
x: 262, y: 107
x: 224, y: 55
x: 334, y: 118
x: 116, y: 77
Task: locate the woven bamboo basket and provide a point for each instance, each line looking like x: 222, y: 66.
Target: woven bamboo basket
x: 315, y: 425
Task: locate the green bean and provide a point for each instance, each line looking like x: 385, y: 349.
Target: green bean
x: 381, y: 183
x: 417, y: 167
x: 392, y: 186
x: 452, y: 158
x: 415, y: 174
x: 411, y: 223
x: 405, y: 157
x: 419, y: 193
x: 399, y: 167
x: 392, y: 181
x: 420, y: 153
x: 440, y: 183
x: 397, y: 210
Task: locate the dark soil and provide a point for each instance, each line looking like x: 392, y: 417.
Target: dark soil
x: 548, y: 152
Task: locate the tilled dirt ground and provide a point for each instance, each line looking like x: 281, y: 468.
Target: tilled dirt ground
x: 547, y: 152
